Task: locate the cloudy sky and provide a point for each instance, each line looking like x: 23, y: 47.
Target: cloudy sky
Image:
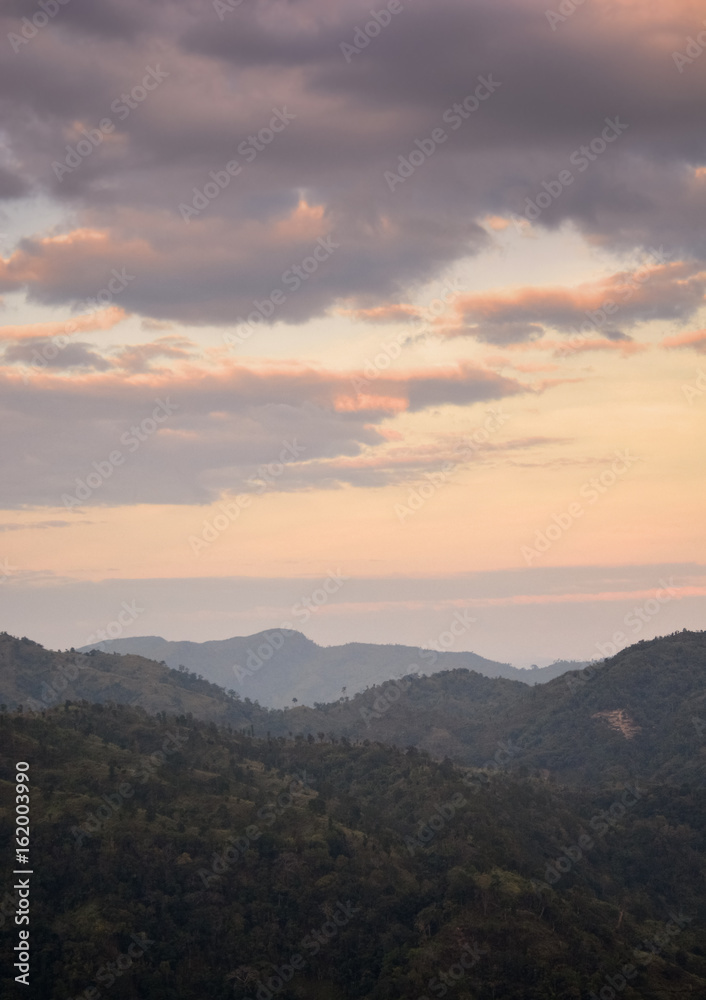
x: 412, y: 296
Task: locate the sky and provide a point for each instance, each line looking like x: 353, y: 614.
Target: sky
x: 408, y: 297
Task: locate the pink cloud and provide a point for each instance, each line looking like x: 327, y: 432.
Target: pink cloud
x: 103, y: 319
x: 696, y: 341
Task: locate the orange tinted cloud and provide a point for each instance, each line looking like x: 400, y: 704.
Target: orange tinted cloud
x: 544, y: 304
x: 389, y: 313
x: 695, y: 340
x: 103, y: 319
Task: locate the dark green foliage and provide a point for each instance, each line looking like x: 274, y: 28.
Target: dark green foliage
x: 132, y: 815
x: 341, y: 836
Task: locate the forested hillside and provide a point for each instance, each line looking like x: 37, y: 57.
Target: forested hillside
x: 174, y: 859
x: 638, y: 713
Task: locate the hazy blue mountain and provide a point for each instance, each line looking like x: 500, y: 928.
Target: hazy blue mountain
x: 275, y: 667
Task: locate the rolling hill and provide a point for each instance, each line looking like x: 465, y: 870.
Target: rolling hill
x: 277, y: 666
x: 176, y: 859
x: 639, y: 713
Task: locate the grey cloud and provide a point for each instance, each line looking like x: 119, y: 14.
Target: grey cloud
x: 353, y: 122
x: 224, y: 425
x: 34, y: 354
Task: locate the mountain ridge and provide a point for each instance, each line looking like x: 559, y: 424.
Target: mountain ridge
x: 631, y: 713
x: 276, y: 666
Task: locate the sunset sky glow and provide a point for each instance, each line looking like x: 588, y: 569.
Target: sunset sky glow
x: 284, y: 294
